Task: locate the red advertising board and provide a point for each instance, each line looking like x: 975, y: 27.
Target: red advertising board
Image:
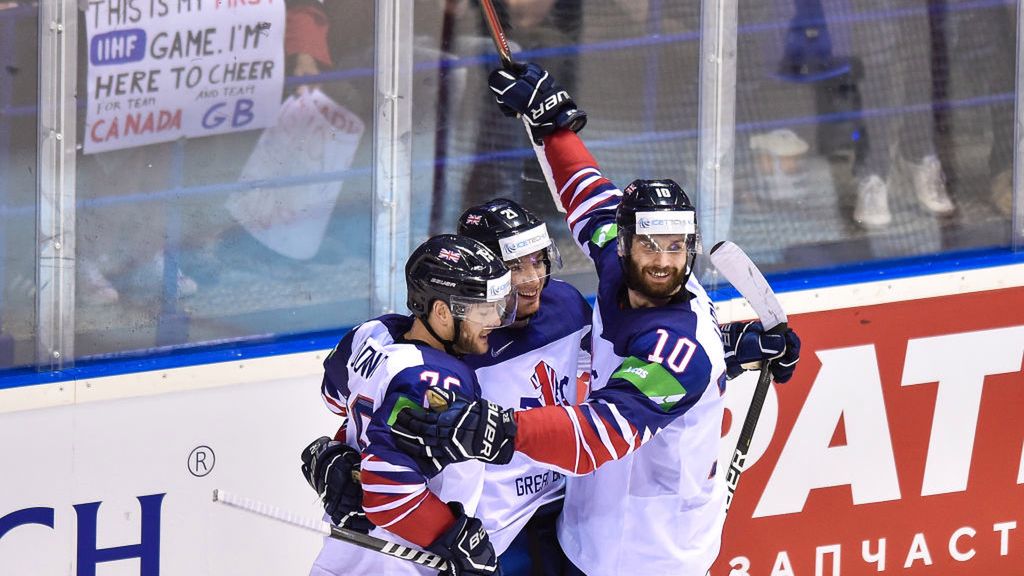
x: 898, y: 447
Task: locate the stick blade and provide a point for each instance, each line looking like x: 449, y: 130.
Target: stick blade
x: 741, y: 272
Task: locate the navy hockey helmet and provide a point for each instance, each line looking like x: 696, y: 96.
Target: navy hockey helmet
x: 654, y: 207
x: 510, y: 231
x: 465, y: 275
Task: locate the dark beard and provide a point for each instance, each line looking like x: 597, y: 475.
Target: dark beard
x: 464, y: 344
x: 636, y: 280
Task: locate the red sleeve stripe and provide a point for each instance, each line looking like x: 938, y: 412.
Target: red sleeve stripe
x: 342, y: 434
x: 593, y: 426
x: 591, y: 204
x: 633, y: 439
x: 421, y: 522
x: 566, y: 154
x: 542, y: 437
x: 383, y: 502
x: 606, y: 439
x: 578, y: 467
x: 593, y: 186
x: 579, y: 174
x: 618, y: 441
x: 566, y: 198
x: 334, y: 405
x: 384, y: 520
x: 596, y: 439
x: 374, y: 463
x: 382, y: 488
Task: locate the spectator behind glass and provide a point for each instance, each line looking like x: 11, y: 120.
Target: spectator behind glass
x: 895, y: 47
x: 983, y: 47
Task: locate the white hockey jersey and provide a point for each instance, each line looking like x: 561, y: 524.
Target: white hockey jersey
x: 646, y: 496
x: 369, y: 376
x: 536, y: 365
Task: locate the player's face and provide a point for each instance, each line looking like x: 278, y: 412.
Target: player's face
x: 657, y: 264
x: 477, y: 325
x: 528, y: 274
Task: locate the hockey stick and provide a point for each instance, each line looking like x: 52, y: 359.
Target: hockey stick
x: 359, y: 539
x: 497, y: 33
x: 741, y: 272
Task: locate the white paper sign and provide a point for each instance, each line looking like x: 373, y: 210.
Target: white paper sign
x: 162, y: 69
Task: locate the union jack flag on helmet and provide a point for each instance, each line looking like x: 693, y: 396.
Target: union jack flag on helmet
x: 450, y: 255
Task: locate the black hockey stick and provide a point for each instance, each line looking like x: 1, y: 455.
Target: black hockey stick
x: 741, y: 272
x: 574, y: 122
x: 358, y: 538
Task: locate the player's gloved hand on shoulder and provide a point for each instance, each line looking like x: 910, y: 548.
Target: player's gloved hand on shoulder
x: 332, y: 469
x: 528, y: 90
x: 466, y: 430
x: 748, y: 346
x: 465, y: 546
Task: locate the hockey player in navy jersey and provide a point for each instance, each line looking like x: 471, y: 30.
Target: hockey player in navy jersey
x: 645, y: 496
x: 458, y: 292
x: 534, y: 362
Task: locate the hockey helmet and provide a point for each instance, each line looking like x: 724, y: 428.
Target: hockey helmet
x: 511, y: 232
x: 650, y: 208
x: 465, y: 275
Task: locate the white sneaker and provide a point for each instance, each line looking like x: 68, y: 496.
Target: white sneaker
x: 154, y: 269
x: 94, y: 289
x: 1002, y: 192
x: 872, y: 209
x: 930, y: 185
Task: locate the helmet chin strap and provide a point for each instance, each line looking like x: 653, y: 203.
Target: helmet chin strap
x: 449, y: 345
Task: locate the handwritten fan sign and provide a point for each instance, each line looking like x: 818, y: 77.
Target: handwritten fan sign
x: 162, y: 69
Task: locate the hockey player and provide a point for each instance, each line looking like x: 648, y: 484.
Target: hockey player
x: 646, y: 496
x: 532, y: 363
x: 458, y: 292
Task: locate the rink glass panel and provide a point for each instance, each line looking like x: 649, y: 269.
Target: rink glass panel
x: 162, y: 262
x: 831, y: 93
x: 18, y: 153
x: 244, y: 234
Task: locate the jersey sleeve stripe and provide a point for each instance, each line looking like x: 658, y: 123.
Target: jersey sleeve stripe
x: 572, y: 201
x: 578, y: 175
x: 377, y: 465
x: 602, y: 433
x: 392, y: 488
x: 591, y: 204
x: 624, y: 426
x: 376, y: 510
x: 597, y: 433
x: 387, y: 503
x: 333, y: 404
x: 579, y: 467
x: 592, y: 190
x: 418, y: 516
x: 422, y: 523
x: 617, y: 436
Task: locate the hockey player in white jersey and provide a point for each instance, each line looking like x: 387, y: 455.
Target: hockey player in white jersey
x: 646, y: 497
x: 458, y: 292
x: 534, y: 362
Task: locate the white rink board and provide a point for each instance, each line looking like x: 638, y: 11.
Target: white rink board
x: 123, y: 449
x: 114, y: 439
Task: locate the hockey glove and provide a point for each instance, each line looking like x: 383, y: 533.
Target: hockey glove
x: 528, y: 91
x: 465, y: 546
x: 476, y: 430
x: 332, y: 469
x: 748, y: 346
